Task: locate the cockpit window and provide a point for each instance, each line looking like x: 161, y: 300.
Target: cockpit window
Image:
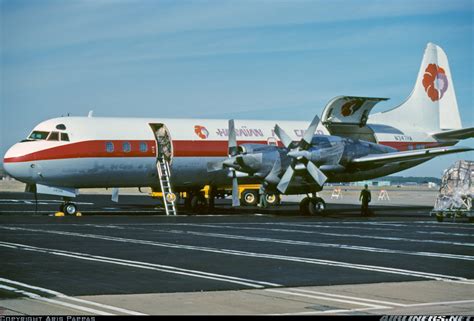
x: 64, y: 137
x: 54, y: 136
x: 38, y: 135
x: 61, y: 127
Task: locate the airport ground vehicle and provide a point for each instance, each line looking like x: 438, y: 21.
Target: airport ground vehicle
x: 249, y: 195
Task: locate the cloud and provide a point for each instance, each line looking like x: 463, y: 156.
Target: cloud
x: 68, y: 23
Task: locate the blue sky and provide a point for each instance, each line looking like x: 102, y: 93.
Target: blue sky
x: 222, y: 59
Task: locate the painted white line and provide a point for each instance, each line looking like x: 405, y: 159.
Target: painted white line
x: 440, y: 303
x: 326, y: 298
x: 102, y: 226
x: 40, y: 298
x: 260, y: 223
x: 374, y: 268
x: 145, y: 265
x: 335, y: 311
x: 350, y: 297
x: 445, y: 233
x: 401, y: 239
x: 326, y: 245
x: 32, y: 201
x: 63, y: 296
x: 428, y: 224
x: 398, y: 239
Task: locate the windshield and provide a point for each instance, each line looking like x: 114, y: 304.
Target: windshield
x: 38, y: 135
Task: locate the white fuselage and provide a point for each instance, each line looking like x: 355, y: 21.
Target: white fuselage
x: 121, y: 152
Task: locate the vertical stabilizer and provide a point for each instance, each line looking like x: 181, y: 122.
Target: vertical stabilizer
x: 432, y: 105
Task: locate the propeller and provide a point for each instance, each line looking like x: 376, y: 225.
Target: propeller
x: 239, y: 161
x: 301, y: 157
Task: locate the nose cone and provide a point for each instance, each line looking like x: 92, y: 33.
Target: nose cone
x: 14, y: 163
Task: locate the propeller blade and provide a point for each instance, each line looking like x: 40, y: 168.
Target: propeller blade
x: 316, y: 174
x: 272, y: 177
x: 308, y: 134
x: 232, y: 143
x: 285, y: 180
x: 284, y: 138
x: 235, y: 191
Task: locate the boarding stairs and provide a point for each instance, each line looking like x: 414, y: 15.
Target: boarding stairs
x: 169, y: 198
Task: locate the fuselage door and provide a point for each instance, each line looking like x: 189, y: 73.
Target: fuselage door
x: 164, y: 143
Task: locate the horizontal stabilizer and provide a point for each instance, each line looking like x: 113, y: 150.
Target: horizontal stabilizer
x: 455, y: 134
x: 382, y: 159
x: 349, y: 110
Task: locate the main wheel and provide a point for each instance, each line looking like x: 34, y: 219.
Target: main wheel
x: 249, y: 197
x: 70, y: 209
x: 316, y: 206
x: 304, y: 206
x: 198, y: 202
x: 272, y: 199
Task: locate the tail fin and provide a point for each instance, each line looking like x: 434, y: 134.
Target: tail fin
x: 432, y: 105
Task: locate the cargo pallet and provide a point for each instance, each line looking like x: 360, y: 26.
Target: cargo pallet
x: 465, y: 211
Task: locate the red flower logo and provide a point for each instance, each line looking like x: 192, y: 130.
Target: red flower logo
x: 201, y: 131
x: 351, y: 107
x: 435, y: 82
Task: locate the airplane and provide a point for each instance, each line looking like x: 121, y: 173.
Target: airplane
x: 62, y: 155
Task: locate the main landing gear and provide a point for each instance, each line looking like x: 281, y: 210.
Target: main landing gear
x: 312, y: 206
x: 196, y: 203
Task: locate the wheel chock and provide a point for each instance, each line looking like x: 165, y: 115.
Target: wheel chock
x: 78, y: 214
x: 58, y: 214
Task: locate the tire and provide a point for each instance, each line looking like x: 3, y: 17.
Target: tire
x: 272, y: 199
x: 304, y: 206
x: 61, y: 208
x: 249, y: 197
x: 317, y: 206
x: 439, y: 217
x: 70, y: 209
x: 198, y: 203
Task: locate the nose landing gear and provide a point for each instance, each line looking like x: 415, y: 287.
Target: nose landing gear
x: 68, y: 208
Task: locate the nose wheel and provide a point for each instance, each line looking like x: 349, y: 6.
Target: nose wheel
x: 68, y: 208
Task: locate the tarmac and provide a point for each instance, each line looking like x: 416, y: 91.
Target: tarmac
x: 131, y: 259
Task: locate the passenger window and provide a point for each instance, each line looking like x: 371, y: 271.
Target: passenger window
x: 109, y: 147
x: 37, y: 135
x: 126, y: 147
x: 143, y: 147
x: 54, y: 136
x: 64, y: 137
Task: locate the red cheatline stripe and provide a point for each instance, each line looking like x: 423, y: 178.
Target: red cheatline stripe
x: 402, y: 146
x: 97, y: 149
x: 181, y: 148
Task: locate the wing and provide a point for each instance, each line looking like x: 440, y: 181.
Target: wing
x: 419, y: 154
